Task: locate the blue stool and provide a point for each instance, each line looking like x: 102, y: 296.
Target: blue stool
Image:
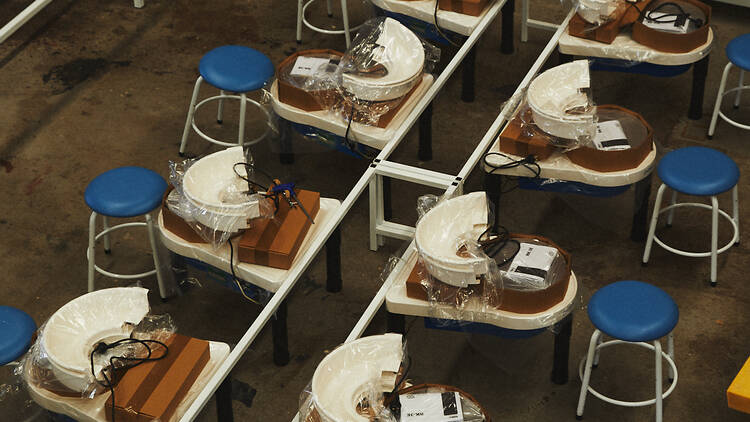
x: 235, y: 69
x: 124, y: 192
x: 697, y: 171
x: 738, y: 52
x: 631, y: 312
x: 16, y: 331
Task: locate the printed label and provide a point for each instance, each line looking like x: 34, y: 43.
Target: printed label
x: 307, y: 66
x: 432, y: 407
x: 610, y: 136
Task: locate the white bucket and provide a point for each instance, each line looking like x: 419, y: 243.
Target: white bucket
x: 206, y: 184
x: 554, y: 92
x: 439, y: 232
x: 400, y: 51
x: 369, y: 364
x: 74, y: 330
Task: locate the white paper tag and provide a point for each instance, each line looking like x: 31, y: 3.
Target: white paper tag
x: 431, y: 407
x: 610, y: 136
x: 665, y: 26
x: 307, y: 66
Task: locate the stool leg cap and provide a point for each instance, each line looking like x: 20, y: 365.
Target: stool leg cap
x: 181, y: 154
x: 219, y: 121
x: 669, y: 225
x: 644, y: 264
x: 330, y: 15
x: 594, y: 366
x: 713, y: 284
x: 735, y: 107
x: 710, y: 137
x: 736, y: 243
x: 108, y: 251
x: 670, y: 380
x: 299, y: 41
x: 579, y: 417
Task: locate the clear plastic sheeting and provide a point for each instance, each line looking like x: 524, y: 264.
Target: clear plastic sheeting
x: 351, y: 383
x: 384, y: 63
x: 212, y: 196
x: 68, y: 357
x: 598, y: 12
x: 561, y: 104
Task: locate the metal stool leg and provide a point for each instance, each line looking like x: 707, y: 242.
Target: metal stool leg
x: 105, y: 225
x: 587, y: 373
x: 243, y: 108
x: 92, y: 251
x: 736, y: 212
x: 152, y: 236
x: 719, y: 96
x: 714, y: 237
x: 670, y: 352
x: 220, y: 112
x: 659, y: 388
x: 652, y: 227
x: 345, y: 16
x: 670, y: 215
x: 598, y: 352
x: 329, y: 5
x: 191, y: 111
x: 739, y: 91
x: 524, y: 20
x: 299, y: 21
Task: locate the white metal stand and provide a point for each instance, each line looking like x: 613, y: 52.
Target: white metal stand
x: 715, y: 212
x: 527, y: 23
x: 720, y: 96
x: 301, y: 9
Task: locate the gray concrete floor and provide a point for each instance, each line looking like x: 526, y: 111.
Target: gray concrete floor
x: 87, y: 86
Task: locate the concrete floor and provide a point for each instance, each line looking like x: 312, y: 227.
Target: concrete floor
x: 90, y: 85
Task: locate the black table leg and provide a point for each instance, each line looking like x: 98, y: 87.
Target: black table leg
x: 564, y: 58
x: 280, y: 340
x: 396, y: 323
x: 387, y: 204
x: 224, y: 400
x: 425, y: 135
x: 640, y: 209
x: 493, y: 184
x: 286, y: 155
x: 563, y: 330
x: 506, y: 37
x: 468, y: 72
x: 700, y: 70
x: 333, y: 262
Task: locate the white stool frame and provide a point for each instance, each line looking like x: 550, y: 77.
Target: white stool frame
x: 717, y: 107
x: 90, y: 251
x: 344, y: 13
x: 715, y: 212
x: 527, y: 22
x: 592, y: 359
x: 190, y: 122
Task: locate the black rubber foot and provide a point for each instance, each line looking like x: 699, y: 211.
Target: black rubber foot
x: 164, y: 300
x: 713, y: 284
x: 219, y: 121
x: 281, y: 360
x: 735, y: 107
x: 579, y: 417
x: 670, y: 380
x: 181, y: 154
x: 299, y: 41
x: 668, y: 225
x: 736, y: 243
x: 710, y: 137
x: 108, y: 251
x: 644, y: 264
x: 330, y: 15
x: 594, y: 366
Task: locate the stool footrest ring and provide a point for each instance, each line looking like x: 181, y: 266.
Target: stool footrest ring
x: 724, y: 248
x: 601, y: 396
x: 321, y: 30
x: 230, y: 144
x: 115, y: 275
x: 724, y: 116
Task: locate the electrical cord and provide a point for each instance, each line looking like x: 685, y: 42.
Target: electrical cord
x: 493, y: 246
x: 102, y: 347
x: 678, y: 18
x: 435, y: 21
x: 234, y: 276
x: 528, y: 162
x: 351, y: 145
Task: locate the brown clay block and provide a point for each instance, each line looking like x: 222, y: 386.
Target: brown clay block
x: 522, y: 141
x: 466, y: 7
x: 624, y: 15
x: 177, y: 225
x: 177, y: 381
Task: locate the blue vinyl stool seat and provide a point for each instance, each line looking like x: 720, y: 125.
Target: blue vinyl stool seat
x: 631, y: 312
x: 703, y: 172
x: 16, y: 331
x: 236, y: 69
x: 124, y: 192
x: 738, y: 53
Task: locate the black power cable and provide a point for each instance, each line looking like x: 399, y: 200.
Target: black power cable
x: 102, y: 348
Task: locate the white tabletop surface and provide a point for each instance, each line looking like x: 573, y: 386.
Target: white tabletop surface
x: 424, y: 10
x: 92, y: 410
x: 398, y: 302
x: 267, y: 278
x: 371, y: 136
x: 624, y: 48
x: 559, y: 166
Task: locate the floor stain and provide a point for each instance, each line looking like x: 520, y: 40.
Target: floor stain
x: 7, y: 165
x: 32, y: 185
x: 66, y: 76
